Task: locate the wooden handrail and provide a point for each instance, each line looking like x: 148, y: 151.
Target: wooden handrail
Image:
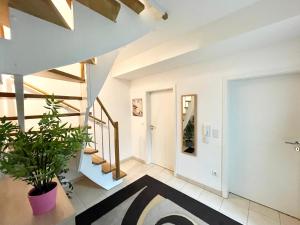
x: 63, y: 97
x: 105, y: 111
x: 116, y: 140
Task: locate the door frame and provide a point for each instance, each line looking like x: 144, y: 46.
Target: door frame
x: 226, y: 125
x: 148, y: 123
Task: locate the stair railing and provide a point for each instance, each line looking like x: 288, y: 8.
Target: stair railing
x: 115, y: 125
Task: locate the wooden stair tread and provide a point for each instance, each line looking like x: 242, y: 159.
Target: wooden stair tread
x: 45, y: 10
x: 67, y: 76
x: 136, y: 5
x: 107, y: 8
x: 35, y: 131
x: 60, y: 75
x: 97, y: 160
x: 90, y: 151
x: 63, y: 97
x: 122, y: 175
x: 41, y: 116
x: 107, y: 168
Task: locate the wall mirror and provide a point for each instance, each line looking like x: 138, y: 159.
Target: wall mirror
x: 188, y: 117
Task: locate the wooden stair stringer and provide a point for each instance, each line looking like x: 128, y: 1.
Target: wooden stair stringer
x: 95, y: 174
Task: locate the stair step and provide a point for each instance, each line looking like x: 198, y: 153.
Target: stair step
x: 108, y: 8
x: 97, y: 160
x: 62, y: 97
x: 122, y: 175
x: 90, y: 151
x: 41, y: 116
x: 60, y: 75
x: 107, y: 168
x: 36, y: 131
x: 46, y: 10
x: 137, y: 6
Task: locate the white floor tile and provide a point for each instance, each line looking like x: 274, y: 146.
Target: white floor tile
x: 271, y: 213
x: 165, y: 176
x: 192, y: 190
x: 87, y: 191
x: 236, y: 208
x: 176, y: 183
x: 86, y: 194
x: 237, y: 200
x: 155, y: 171
x: 77, y: 204
x: 260, y: 219
x: 212, y: 200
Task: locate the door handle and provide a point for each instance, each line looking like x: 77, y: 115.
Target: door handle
x: 292, y: 143
x: 297, y: 148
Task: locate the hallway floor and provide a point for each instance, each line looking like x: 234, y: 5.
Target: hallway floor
x: 87, y: 194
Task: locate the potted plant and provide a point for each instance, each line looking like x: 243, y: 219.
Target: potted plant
x: 38, y: 156
x: 188, y: 134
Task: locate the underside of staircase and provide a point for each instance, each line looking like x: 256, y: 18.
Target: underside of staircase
x: 99, y: 162
x: 57, y: 33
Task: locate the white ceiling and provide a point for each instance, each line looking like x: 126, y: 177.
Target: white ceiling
x: 184, y: 16
x: 197, y: 25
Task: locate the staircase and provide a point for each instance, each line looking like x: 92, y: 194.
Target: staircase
x: 99, y: 162
x: 61, y: 32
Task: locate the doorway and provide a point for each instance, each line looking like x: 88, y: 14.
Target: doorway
x: 162, y: 128
x: 264, y: 114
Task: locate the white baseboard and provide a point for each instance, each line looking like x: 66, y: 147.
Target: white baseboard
x: 203, y: 186
x: 133, y: 158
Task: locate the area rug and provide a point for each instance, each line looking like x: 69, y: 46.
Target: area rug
x: 148, y: 201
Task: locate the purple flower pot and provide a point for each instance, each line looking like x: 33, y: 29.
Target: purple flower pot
x: 43, y: 203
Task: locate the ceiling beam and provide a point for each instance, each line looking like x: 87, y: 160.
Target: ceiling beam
x: 4, y: 20
x: 107, y: 8
x: 59, y: 12
x: 135, y: 5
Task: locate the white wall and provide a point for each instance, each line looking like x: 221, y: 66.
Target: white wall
x: 206, y: 80
x: 115, y: 97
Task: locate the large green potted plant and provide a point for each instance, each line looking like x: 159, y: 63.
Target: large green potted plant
x: 39, y: 155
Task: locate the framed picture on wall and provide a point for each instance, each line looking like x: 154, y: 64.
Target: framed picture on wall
x: 137, y: 107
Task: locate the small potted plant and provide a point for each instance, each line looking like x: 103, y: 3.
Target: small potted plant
x: 189, y: 134
x: 39, y: 155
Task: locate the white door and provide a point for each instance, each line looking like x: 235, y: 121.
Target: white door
x: 162, y: 120
x: 264, y: 114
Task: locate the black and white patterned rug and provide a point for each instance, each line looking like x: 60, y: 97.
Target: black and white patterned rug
x: 148, y: 201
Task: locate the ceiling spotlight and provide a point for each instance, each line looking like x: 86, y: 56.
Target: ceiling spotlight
x: 157, y: 9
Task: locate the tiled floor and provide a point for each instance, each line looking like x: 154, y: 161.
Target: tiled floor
x: 86, y: 194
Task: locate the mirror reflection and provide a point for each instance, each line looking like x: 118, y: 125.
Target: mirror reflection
x: 189, y: 123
